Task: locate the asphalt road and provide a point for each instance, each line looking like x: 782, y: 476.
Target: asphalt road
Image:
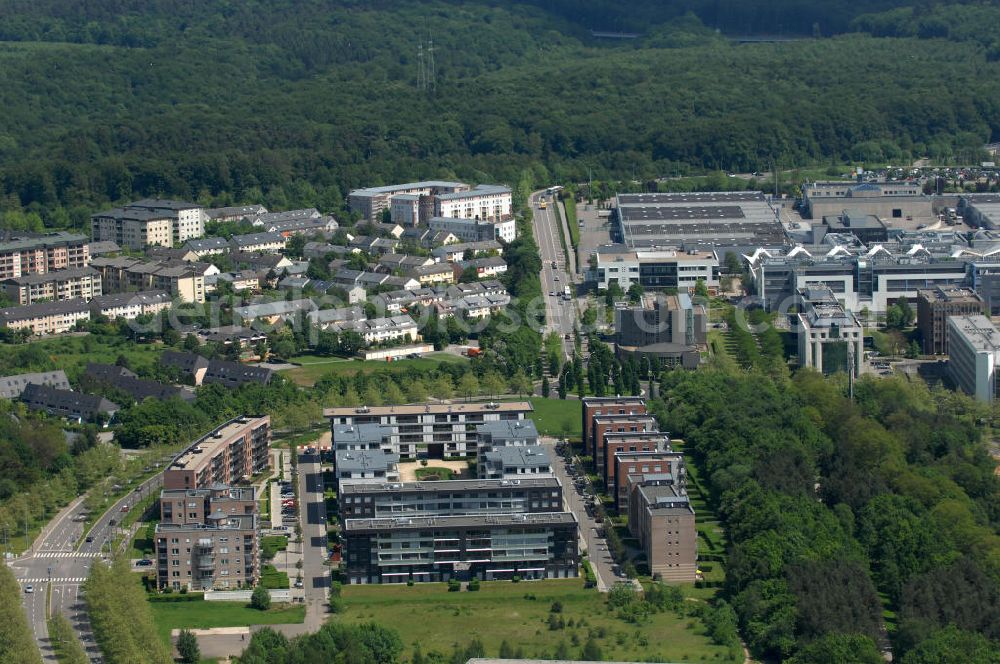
x: 596, y: 546
x: 560, y: 314
x: 55, y: 558
x: 315, y: 574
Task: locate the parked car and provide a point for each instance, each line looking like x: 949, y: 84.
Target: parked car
x: 145, y: 562
x: 89, y: 539
x: 298, y: 583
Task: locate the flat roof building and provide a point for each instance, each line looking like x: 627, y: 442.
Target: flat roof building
x: 69, y: 284
x: 505, y: 463
x: 625, y: 443
x: 593, y: 406
x: 371, y: 465
x: 603, y: 425
x: 656, y: 267
x: 666, y: 465
x: 935, y: 305
x: 973, y: 353
x: 208, y: 538
x: 440, y: 548
x: 232, y: 453
x: 662, y: 519
x: 432, y: 430
x: 704, y: 219
x: 668, y: 327
x: 828, y: 334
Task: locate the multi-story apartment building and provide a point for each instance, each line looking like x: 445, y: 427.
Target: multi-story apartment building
x: 371, y: 201
x: 485, y: 201
x: 46, y: 317
x: 69, y: 284
x: 507, y: 463
x: 435, y: 531
x: 38, y: 254
x: 973, y: 355
x: 661, y: 517
x: 476, y: 229
x: 603, y: 425
x: 149, y: 222
x: 627, y: 442
x: 380, y: 330
x: 207, y: 538
x: 235, y: 213
x: 374, y: 465
x: 232, y: 453
x: 594, y: 406
x: 667, y: 466
x: 431, y: 430
x: 184, y: 281
x: 935, y: 305
x: 130, y: 305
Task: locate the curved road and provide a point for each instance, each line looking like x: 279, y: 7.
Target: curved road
x: 56, y: 559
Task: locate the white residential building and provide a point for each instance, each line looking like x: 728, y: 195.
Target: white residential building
x: 974, y: 352
x: 485, y: 201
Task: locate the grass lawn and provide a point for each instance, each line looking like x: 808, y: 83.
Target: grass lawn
x: 73, y: 353
x: 557, y: 417
x: 314, y: 367
x: 504, y: 610
x: 270, y: 545
x: 143, y: 543
x: 433, y: 473
x: 203, y: 615
x: 272, y: 579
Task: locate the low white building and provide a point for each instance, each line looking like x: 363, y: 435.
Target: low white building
x: 381, y: 330
x: 476, y: 230
x: 655, y: 268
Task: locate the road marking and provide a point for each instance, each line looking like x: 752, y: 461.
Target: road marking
x: 63, y: 554
x: 54, y: 580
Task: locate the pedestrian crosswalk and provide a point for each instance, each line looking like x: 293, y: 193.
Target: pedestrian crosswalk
x: 74, y: 579
x: 64, y: 554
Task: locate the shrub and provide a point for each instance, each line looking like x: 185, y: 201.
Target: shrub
x: 474, y: 585
x: 454, y: 585
x: 187, y: 647
x: 260, y: 599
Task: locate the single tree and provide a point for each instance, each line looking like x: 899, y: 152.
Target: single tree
x: 187, y: 647
x: 260, y: 599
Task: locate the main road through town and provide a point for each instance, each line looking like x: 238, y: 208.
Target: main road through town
x: 560, y: 313
x: 59, y: 559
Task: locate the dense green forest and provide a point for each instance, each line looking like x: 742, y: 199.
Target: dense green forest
x: 295, y: 103
x: 901, y: 546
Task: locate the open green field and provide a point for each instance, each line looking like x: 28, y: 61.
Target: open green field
x: 557, y: 417
x: 72, y: 353
x: 203, y: 615
x: 518, y: 613
x: 314, y: 367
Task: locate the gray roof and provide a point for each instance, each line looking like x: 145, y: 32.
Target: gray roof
x: 207, y: 243
x: 276, y: 308
x: 12, y: 386
x: 243, y: 211
x: 184, y: 361
x: 23, y: 241
x: 236, y: 373
x: 529, y: 456
x: 287, y: 215
x: 360, y: 434
x: 54, y: 275
x: 365, y: 460
x: 478, y: 190
x: 388, y: 189
x: 501, y: 431
x: 43, y: 309
x: 66, y: 402
x: 258, y: 238
x: 142, y: 298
